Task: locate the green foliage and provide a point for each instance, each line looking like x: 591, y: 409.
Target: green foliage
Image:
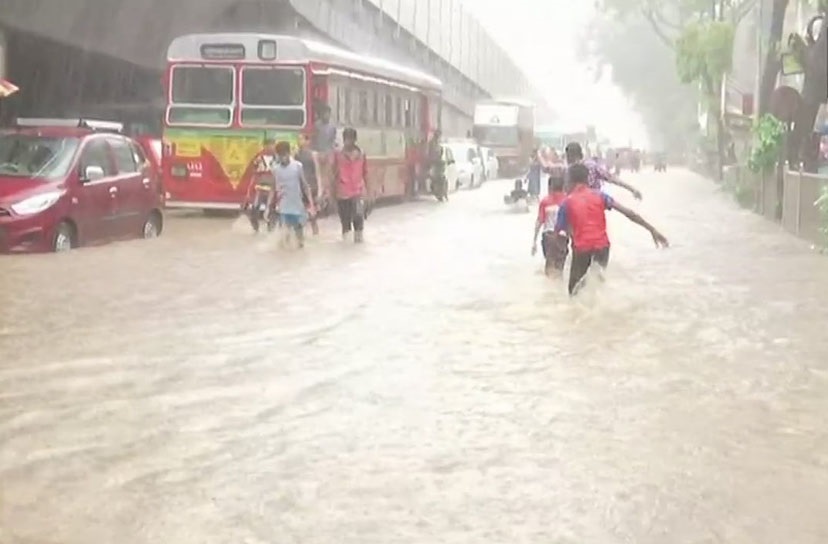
x: 768, y: 134
x: 704, y: 53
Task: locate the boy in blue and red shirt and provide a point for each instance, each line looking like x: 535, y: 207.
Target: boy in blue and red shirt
x: 583, y: 216
x: 555, y: 248
x: 598, y: 174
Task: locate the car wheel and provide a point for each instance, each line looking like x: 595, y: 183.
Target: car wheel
x: 65, y: 238
x: 152, y: 226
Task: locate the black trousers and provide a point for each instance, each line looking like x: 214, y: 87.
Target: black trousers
x: 581, y: 261
x: 255, y: 214
x: 555, y: 250
x: 348, y: 215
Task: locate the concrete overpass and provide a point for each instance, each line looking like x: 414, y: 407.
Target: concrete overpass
x: 67, y: 52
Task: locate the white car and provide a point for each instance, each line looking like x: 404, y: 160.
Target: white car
x: 491, y: 166
x: 467, y: 163
x: 452, y: 172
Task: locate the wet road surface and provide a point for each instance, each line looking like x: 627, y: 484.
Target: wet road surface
x: 429, y: 386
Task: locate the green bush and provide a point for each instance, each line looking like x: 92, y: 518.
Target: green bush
x: 768, y: 134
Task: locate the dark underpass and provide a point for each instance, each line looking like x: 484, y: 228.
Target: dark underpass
x: 60, y: 80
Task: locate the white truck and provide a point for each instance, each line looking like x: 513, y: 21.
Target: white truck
x: 507, y: 127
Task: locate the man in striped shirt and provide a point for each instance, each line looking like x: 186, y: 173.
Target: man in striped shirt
x: 598, y: 174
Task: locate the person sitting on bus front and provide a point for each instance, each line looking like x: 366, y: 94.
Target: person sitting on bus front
x: 324, y: 131
x: 324, y: 143
x: 262, y: 184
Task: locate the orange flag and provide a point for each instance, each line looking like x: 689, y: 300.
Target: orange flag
x: 7, y: 88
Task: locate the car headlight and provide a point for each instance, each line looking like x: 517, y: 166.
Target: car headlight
x: 36, y: 204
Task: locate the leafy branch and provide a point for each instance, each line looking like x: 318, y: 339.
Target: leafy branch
x: 768, y: 135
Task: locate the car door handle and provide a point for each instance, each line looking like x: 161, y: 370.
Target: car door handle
x: 113, y: 190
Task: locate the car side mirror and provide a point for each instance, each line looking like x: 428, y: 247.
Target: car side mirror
x: 92, y: 173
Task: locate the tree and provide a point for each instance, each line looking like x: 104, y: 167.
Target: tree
x: 643, y: 67
x: 668, y: 17
x: 704, y: 55
x: 773, y: 63
x: 701, y: 34
x: 814, y: 58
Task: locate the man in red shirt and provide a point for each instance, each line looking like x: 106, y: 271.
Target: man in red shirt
x: 351, y: 176
x: 555, y: 248
x: 583, y: 216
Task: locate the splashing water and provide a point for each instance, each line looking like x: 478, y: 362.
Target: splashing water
x: 427, y: 386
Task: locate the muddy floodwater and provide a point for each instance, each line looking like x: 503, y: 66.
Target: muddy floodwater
x: 430, y: 386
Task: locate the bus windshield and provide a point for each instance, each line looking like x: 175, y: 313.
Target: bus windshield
x: 497, y: 136
x: 201, y: 95
x: 273, y: 96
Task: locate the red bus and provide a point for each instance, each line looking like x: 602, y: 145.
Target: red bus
x: 229, y: 92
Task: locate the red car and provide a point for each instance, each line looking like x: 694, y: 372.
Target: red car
x: 66, y: 183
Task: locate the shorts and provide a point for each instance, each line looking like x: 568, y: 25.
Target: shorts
x: 292, y: 219
x: 581, y: 261
x: 555, y: 250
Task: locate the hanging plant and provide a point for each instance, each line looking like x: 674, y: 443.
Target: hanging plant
x: 768, y: 134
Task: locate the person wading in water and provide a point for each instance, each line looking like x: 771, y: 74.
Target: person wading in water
x: 598, y: 175
x: 582, y: 215
x: 309, y: 160
x: 291, y: 191
x: 351, y: 175
x: 262, y: 186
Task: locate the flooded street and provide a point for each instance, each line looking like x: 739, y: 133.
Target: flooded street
x: 431, y: 386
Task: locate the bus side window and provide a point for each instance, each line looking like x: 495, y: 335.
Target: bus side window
x: 398, y: 111
x: 407, y: 113
x: 389, y: 111
x: 336, y: 112
x: 363, y: 108
x: 348, y: 106
x: 375, y: 108
x: 416, y: 122
x: 379, y: 108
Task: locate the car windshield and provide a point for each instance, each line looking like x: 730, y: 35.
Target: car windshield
x: 462, y: 153
x: 36, y: 156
